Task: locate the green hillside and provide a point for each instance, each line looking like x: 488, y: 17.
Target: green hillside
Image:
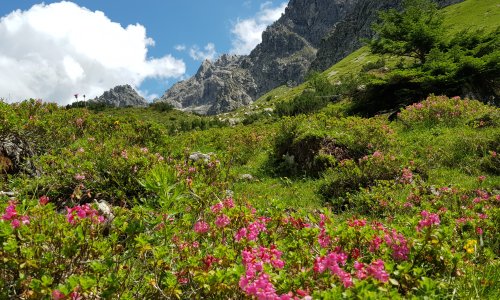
x: 298, y: 196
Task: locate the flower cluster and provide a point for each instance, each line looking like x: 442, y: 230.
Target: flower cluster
x: 398, y: 244
x: 376, y: 270
x: 255, y: 282
x: 83, y: 212
x: 428, y: 219
x: 15, y: 219
x: 201, y: 227
x: 323, y: 238
x: 332, y: 262
x: 251, y: 232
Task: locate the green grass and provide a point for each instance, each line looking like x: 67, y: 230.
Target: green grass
x: 472, y: 14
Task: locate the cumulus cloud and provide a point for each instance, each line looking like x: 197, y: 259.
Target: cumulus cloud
x: 55, y: 51
x: 208, y: 52
x: 247, y: 33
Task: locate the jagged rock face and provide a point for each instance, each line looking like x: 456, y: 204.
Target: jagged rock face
x: 122, y: 96
x: 283, y: 57
x: 218, y: 86
x: 288, y: 48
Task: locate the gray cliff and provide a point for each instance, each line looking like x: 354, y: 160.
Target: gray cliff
x: 311, y: 34
x: 122, y: 96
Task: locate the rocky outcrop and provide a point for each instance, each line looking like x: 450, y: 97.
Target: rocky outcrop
x: 121, y: 96
x: 317, y: 32
x: 218, y: 86
x: 16, y: 155
x: 283, y: 57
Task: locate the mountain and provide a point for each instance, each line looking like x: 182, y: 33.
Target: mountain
x: 309, y: 34
x: 121, y: 96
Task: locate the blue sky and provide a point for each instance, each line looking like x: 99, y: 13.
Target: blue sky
x: 69, y: 41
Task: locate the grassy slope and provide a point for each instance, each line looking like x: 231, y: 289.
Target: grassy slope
x: 468, y: 14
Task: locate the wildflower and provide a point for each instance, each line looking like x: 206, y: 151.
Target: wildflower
x: 479, y: 230
x: 222, y: 221
x: 79, y: 177
x: 57, y: 295
x: 357, y: 223
x: 216, y: 208
x: 398, y: 244
x: 377, y: 154
x: 144, y: 150
x: 407, y: 176
x: 229, y: 203
x: 377, y: 271
x: 201, y: 227
x: 375, y: 244
x: 15, y: 223
x: 481, y: 178
x: 470, y: 246
x: 124, y: 154
x: 428, y: 219
x: 83, y: 212
x: 25, y: 220
x: 159, y: 157
x: 332, y: 262
x: 15, y: 219
x: 208, y: 261
x: 43, y: 200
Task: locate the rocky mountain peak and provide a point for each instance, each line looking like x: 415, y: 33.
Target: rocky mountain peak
x: 315, y: 33
x: 122, y: 96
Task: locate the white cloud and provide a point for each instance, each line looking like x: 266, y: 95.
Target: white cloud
x: 55, y: 51
x: 180, y: 48
x: 198, y: 54
x: 248, y: 32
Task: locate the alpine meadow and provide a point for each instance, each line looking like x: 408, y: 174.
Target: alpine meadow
x: 353, y: 154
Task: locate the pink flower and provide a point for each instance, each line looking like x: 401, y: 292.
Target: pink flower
x: 57, y: 295
x: 481, y: 178
x: 398, y: 244
x: 222, y: 221
x: 79, y: 177
x: 479, y: 230
x: 357, y: 223
x: 10, y: 212
x: 25, y: 220
x: 124, y: 154
x: 407, y: 176
x: 242, y: 233
x: 43, y: 200
x: 377, y: 154
x: 216, y: 208
x: 332, y: 262
x: 201, y: 227
x: 83, y: 212
x: 375, y: 244
x: 144, y: 150
x: 377, y: 271
x: 428, y: 219
x: 15, y: 223
x: 229, y: 203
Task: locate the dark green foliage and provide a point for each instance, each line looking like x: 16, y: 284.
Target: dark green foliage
x: 413, y: 32
x: 90, y: 105
x: 319, y: 94
x: 161, y: 106
x: 468, y: 64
